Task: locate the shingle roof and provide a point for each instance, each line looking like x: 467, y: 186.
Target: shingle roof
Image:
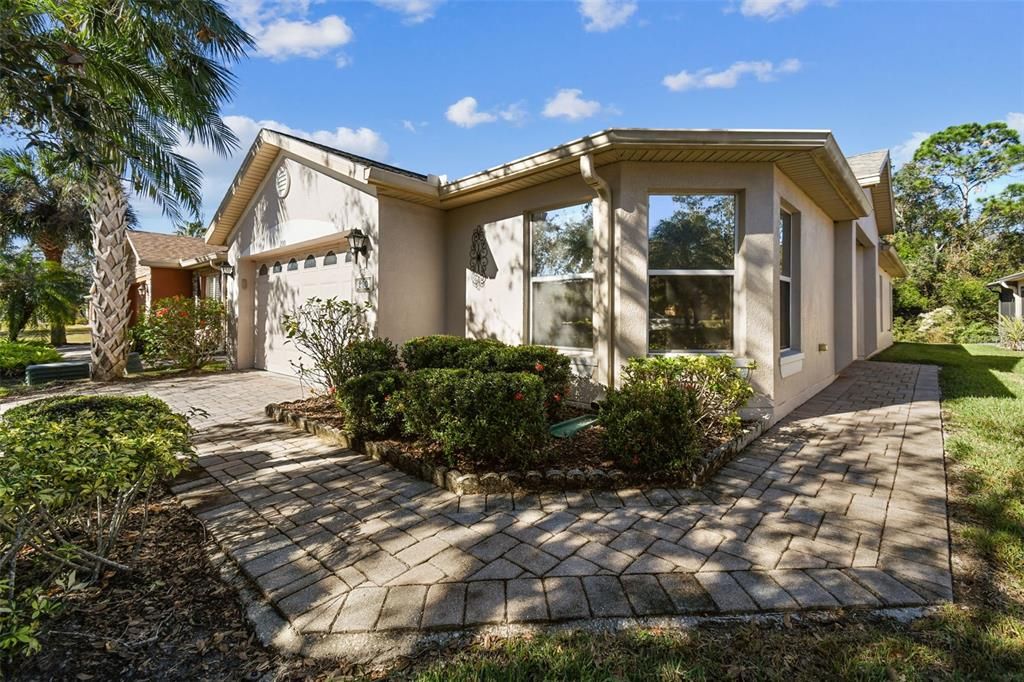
x: 869, y: 164
x: 159, y: 248
x: 354, y: 157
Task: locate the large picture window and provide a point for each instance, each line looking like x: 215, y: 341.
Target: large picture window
x: 562, y: 277
x: 690, y: 260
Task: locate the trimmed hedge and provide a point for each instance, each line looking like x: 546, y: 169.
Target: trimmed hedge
x: 669, y: 411
x: 489, y: 355
x: 372, y: 355
x: 496, y: 416
x: 370, y: 403
x: 15, y: 356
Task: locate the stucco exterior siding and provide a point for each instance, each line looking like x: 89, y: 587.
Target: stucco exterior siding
x: 498, y: 308
x: 411, y: 270
x: 320, y: 205
x: 814, y: 274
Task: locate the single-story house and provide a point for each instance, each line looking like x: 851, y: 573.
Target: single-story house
x: 1011, y: 295
x: 172, y: 265
x: 766, y: 245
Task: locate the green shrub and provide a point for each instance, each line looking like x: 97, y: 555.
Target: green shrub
x: 182, y: 330
x: 370, y: 403
x: 489, y: 355
x: 444, y: 352
x: 325, y: 330
x: 976, y: 332
x: 651, y: 426
x: 670, y: 410
x: 1011, y: 332
x: 70, y: 469
x: 372, y: 355
x: 15, y: 356
x: 496, y: 416
x: 550, y: 366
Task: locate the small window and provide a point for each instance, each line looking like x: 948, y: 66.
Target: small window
x: 330, y: 258
x: 277, y: 266
x: 293, y: 265
x: 310, y: 262
x: 263, y: 270
x: 690, y: 260
x: 786, y: 280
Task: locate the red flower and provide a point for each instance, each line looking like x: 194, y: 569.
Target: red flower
x: 557, y: 398
x: 183, y: 313
x: 539, y: 367
x: 387, y: 398
x: 161, y: 312
x: 518, y: 395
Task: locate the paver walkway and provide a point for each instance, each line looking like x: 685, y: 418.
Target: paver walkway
x: 843, y: 503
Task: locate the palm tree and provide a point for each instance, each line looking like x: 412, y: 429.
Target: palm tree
x: 40, y: 202
x: 191, y: 228
x: 115, y: 86
x: 32, y: 291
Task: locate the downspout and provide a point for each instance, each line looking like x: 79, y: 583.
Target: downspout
x: 606, y: 346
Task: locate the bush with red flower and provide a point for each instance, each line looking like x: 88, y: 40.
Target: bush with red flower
x: 182, y: 331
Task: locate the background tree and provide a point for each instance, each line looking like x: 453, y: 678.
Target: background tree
x: 113, y: 86
x: 191, y: 228
x: 952, y: 239
x: 33, y: 291
x: 45, y: 205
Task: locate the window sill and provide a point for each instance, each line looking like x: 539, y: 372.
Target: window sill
x: 791, y: 362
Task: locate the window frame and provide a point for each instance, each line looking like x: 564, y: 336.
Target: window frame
x: 786, y: 254
x: 573, y: 277
x: 695, y: 272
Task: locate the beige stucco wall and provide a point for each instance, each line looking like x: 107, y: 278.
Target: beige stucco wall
x: 411, y: 270
x: 320, y: 205
x: 813, y: 280
x: 753, y: 287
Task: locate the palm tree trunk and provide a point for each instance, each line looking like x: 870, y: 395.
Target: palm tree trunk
x: 109, y: 311
x: 55, y: 254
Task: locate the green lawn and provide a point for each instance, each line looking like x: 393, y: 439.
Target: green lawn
x: 980, y: 637
x: 77, y: 333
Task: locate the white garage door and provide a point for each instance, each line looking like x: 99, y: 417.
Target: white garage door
x: 282, y: 285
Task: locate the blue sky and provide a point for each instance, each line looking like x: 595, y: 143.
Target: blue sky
x: 392, y: 79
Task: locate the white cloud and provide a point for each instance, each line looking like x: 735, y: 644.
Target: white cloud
x: 218, y: 171
x: 514, y: 113
x: 603, y: 15
x: 774, y: 9
x: 413, y: 11
x: 1015, y: 120
x: 465, y: 115
x: 729, y: 78
x: 904, y: 151
x: 568, y: 103
x: 283, y: 29
x: 283, y: 38
x: 413, y: 126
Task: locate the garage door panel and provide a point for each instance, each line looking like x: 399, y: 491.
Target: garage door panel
x: 281, y: 293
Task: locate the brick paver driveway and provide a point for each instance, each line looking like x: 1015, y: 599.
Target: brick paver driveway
x: 843, y: 503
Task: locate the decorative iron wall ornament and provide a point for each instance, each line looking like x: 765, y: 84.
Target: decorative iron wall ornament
x: 479, y: 257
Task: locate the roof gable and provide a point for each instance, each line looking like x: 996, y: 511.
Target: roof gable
x: 873, y: 171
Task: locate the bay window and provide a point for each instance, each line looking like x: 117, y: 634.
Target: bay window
x: 690, y: 268
x: 562, y: 277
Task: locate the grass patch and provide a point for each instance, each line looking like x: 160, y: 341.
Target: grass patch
x: 981, y: 637
x: 77, y: 333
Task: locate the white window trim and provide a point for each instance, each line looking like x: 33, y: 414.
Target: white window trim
x: 693, y: 273
x: 791, y: 362
x: 578, y: 351
x: 788, y: 279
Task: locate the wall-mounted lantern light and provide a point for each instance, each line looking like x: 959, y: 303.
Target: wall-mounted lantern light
x: 227, y: 269
x: 357, y: 243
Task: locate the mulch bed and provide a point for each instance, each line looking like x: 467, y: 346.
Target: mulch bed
x: 169, y: 619
x: 321, y: 408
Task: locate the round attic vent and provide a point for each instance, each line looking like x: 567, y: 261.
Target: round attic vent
x: 284, y: 182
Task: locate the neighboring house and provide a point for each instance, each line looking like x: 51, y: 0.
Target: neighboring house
x: 170, y: 265
x: 1011, y: 295
x: 762, y: 244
